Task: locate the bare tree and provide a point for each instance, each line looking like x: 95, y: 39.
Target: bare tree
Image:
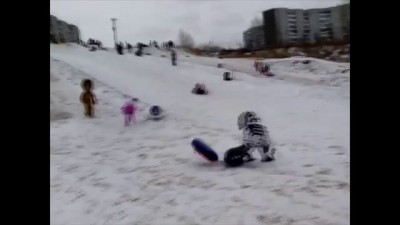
x: 257, y: 21
x: 210, y: 47
x: 185, y: 39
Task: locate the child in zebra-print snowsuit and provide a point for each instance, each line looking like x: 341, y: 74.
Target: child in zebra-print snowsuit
x: 255, y: 136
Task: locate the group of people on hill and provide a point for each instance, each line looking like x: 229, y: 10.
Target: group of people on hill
x: 93, y: 42
x: 165, y: 44
x: 129, y: 47
x: 120, y: 47
x: 262, y: 67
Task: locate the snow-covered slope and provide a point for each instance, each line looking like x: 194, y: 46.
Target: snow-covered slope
x: 317, y: 71
x: 104, y: 173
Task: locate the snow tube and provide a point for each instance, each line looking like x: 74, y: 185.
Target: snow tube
x: 234, y: 157
x: 200, y: 89
x: 199, y: 92
x: 155, y: 110
x: 227, y: 76
x: 204, y: 150
x: 268, y: 74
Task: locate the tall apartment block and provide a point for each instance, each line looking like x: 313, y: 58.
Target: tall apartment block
x: 288, y: 26
x: 254, y: 38
x: 284, y: 26
x: 63, y: 31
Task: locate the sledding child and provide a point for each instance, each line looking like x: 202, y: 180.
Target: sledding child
x: 200, y: 89
x: 129, y: 110
x: 173, y: 57
x: 255, y: 136
x: 88, y: 98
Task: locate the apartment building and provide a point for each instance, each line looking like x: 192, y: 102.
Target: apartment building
x: 290, y: 26
x: 254, y: 38
x: 62, y: 31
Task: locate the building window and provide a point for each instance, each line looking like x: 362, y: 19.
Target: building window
x: 306, y: 16
x: 325, y: 26
x: 324, y: 15
x: 325, y: 29
x: 325, y: 12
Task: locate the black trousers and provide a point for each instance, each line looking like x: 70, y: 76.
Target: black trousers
x: 237, y: 156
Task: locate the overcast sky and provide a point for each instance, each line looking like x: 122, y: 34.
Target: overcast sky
x: 219, y: 21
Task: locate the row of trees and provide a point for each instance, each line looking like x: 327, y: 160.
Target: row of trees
x: 186, y: 40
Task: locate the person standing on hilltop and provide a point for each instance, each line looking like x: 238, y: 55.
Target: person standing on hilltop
x: 173, y: 57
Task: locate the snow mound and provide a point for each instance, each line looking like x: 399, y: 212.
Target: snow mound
x: 105, y: 173
x: 56, y: 112
x: 312, y: 69
x: 298, y: 69
x: 57, y: 109
x: 312, y: 66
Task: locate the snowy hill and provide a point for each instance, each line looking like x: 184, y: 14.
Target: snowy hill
x: 105, y: 173
x: 292, y: 69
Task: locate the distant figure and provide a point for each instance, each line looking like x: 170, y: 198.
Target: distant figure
x: 173, y: 57
x: 119, y: 49
x: 257, y: 65
x: 139, y: 52
x: 100, y: 45
x: 227, y: 76
x: 88, y: 98
x: 170, y: 44
x: 129, y: 111
x: 129, y: 47
x: 200, y: 89
x: 264, y: 68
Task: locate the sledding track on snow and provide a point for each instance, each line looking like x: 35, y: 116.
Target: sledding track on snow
x: 104, y: 173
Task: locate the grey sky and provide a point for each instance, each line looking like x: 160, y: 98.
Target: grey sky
x: 218, y: 21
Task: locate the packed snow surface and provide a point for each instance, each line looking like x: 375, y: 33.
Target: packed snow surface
x: 105, y: 173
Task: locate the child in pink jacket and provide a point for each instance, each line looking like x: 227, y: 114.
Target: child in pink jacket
x: 129, y: 111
